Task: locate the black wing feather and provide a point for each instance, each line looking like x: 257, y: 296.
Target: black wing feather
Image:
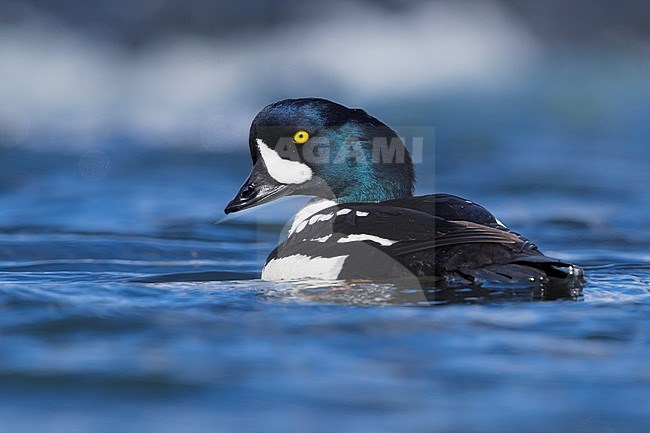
x: 430, y: 235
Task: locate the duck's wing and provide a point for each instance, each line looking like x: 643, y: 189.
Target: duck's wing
x: 378, y: 240
x: 395, y: 229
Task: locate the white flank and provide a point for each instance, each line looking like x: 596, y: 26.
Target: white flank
x: 300, y: 267
x: 283, y: 170
x: 303, y: 215
x: 371, y: 238
x: 344, y: 211
x: 360, y: 213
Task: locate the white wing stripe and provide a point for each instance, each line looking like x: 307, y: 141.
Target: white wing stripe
x: 362, y: 237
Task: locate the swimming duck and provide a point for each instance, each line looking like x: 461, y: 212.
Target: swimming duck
x: 364, y: 222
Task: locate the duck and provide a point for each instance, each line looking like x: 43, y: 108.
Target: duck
x: 364, y: 222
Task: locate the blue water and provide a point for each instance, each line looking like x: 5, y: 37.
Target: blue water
x: 84, y: 348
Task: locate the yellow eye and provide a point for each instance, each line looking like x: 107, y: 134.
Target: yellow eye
x: 301, y: 137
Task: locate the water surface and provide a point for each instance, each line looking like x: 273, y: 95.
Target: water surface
x: 87, y: 348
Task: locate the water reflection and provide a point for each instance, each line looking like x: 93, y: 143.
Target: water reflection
x: 421, y: 293
x: 411, y: 292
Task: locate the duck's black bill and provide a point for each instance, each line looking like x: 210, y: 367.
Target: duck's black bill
x: 259, y: 188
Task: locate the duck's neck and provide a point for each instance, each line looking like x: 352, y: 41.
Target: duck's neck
x: 373, y: 195
x: 376, y: 188
x: 375, y: 181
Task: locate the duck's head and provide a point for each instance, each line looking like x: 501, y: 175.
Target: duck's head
x: 317, y: 147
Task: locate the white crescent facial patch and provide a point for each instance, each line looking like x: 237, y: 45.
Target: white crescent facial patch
x: 283, y: 170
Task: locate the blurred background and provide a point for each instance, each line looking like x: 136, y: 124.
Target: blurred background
x: 194, y: 73
x: 124, y: 133
x: 550, y: 89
